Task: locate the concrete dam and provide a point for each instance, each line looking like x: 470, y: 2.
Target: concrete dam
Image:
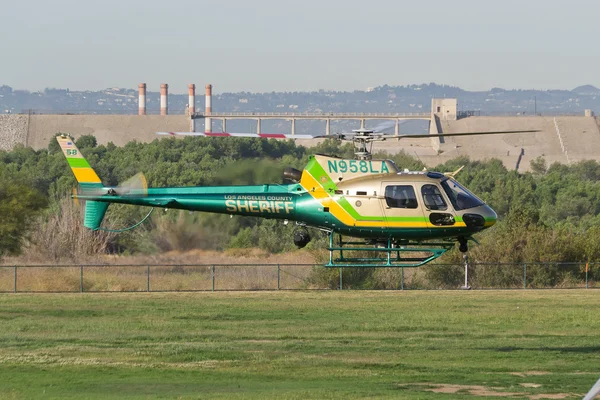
x: 563, y: 139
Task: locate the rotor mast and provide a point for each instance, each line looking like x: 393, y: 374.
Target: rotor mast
x: 363, y: 138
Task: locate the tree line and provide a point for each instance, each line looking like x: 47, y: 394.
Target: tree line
x: 548, y: 214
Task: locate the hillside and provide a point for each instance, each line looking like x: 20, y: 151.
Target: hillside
x: 409, y: 98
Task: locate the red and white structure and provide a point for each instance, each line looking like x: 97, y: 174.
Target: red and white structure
x: 207, y: 119
x: 164, y: 93
x: 142, y: 99
x: 191, y: 98
x: 248, y: 135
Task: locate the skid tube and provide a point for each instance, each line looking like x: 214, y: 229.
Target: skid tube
x: 392, y: 257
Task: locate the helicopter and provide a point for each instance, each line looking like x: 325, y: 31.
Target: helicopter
x: 393, y: 217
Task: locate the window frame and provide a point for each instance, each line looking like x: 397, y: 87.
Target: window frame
x: 396, y: 200
x: 441, y: 196
x: 477, y: 202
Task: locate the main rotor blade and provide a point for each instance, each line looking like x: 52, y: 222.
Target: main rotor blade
x: 432, y: 135
x: 339, y: 136
x: 385, y: 126
x: 230, y: 134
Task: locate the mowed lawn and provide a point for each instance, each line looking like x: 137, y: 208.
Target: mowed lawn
x: 300, y: 345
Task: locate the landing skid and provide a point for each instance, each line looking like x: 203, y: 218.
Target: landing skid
x: 393, y: 253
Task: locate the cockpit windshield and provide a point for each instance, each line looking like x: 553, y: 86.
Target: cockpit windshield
x: 459, y: 196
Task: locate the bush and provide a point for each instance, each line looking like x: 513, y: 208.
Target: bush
x: 62, y: 236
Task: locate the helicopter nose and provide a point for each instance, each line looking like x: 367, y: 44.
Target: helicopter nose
x: 480, y: 218
x: 490, y: 216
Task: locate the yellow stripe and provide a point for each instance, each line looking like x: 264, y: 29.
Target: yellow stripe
x: 312, y: 186
x: 339, y: 212
x: 86, y: 175
x: 394, y: 224
x: 309, y: 183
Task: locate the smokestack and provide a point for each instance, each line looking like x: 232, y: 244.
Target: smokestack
x: 207, y: 120
x: 164, y: 92
x: 142, y: 99
x: 192, y: 98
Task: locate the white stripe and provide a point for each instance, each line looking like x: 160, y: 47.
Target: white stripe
x: 594, y: 391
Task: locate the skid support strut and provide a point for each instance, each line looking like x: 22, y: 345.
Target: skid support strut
x: 383, y: 253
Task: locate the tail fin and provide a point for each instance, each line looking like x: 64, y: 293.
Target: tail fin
x: 84, y: 173
x: 88, y: 180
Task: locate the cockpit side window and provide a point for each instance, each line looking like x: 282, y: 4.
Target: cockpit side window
x: 432, y: 198
x: 400, y: 196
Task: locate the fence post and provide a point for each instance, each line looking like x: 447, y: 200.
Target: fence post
x: 81, y: 279
x: 341, y: 282
x: 148, y: 276
x: 278, y: 277
x: 402, y: 279
x: 524, y: 276
x: 212, y: 277
x: 15, y: 279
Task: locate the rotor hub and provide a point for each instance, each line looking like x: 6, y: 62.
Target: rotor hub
x: 361, y: 139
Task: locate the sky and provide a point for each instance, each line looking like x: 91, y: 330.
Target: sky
x: 279, y: 45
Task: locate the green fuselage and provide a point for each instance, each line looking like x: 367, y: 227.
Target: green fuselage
x: 286, y: 202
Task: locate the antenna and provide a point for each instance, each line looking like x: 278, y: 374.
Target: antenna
x: 418, y: 158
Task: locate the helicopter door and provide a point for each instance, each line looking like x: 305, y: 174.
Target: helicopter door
x: 436, y: 208
x: 400, y: 205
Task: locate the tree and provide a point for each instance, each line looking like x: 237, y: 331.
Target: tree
x: 19, y: 205
x: 86, y: 141
x: 539, y: 166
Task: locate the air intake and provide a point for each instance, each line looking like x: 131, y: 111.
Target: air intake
x: 292, y: 174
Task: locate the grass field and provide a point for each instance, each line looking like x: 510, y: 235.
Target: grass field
x: 298, y: 345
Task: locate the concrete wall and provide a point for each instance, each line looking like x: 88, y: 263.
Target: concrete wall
x: 37, y: 130
x: 445, y: 108
x: 509, y: 147
x: 118, y: 129
x: 580, y: 135
x: 13, y: 130
x: 435, y: 129
x: 581, y: 138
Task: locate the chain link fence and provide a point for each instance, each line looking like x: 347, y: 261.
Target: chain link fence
x: 230, y: 277
x: 533, y: 275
